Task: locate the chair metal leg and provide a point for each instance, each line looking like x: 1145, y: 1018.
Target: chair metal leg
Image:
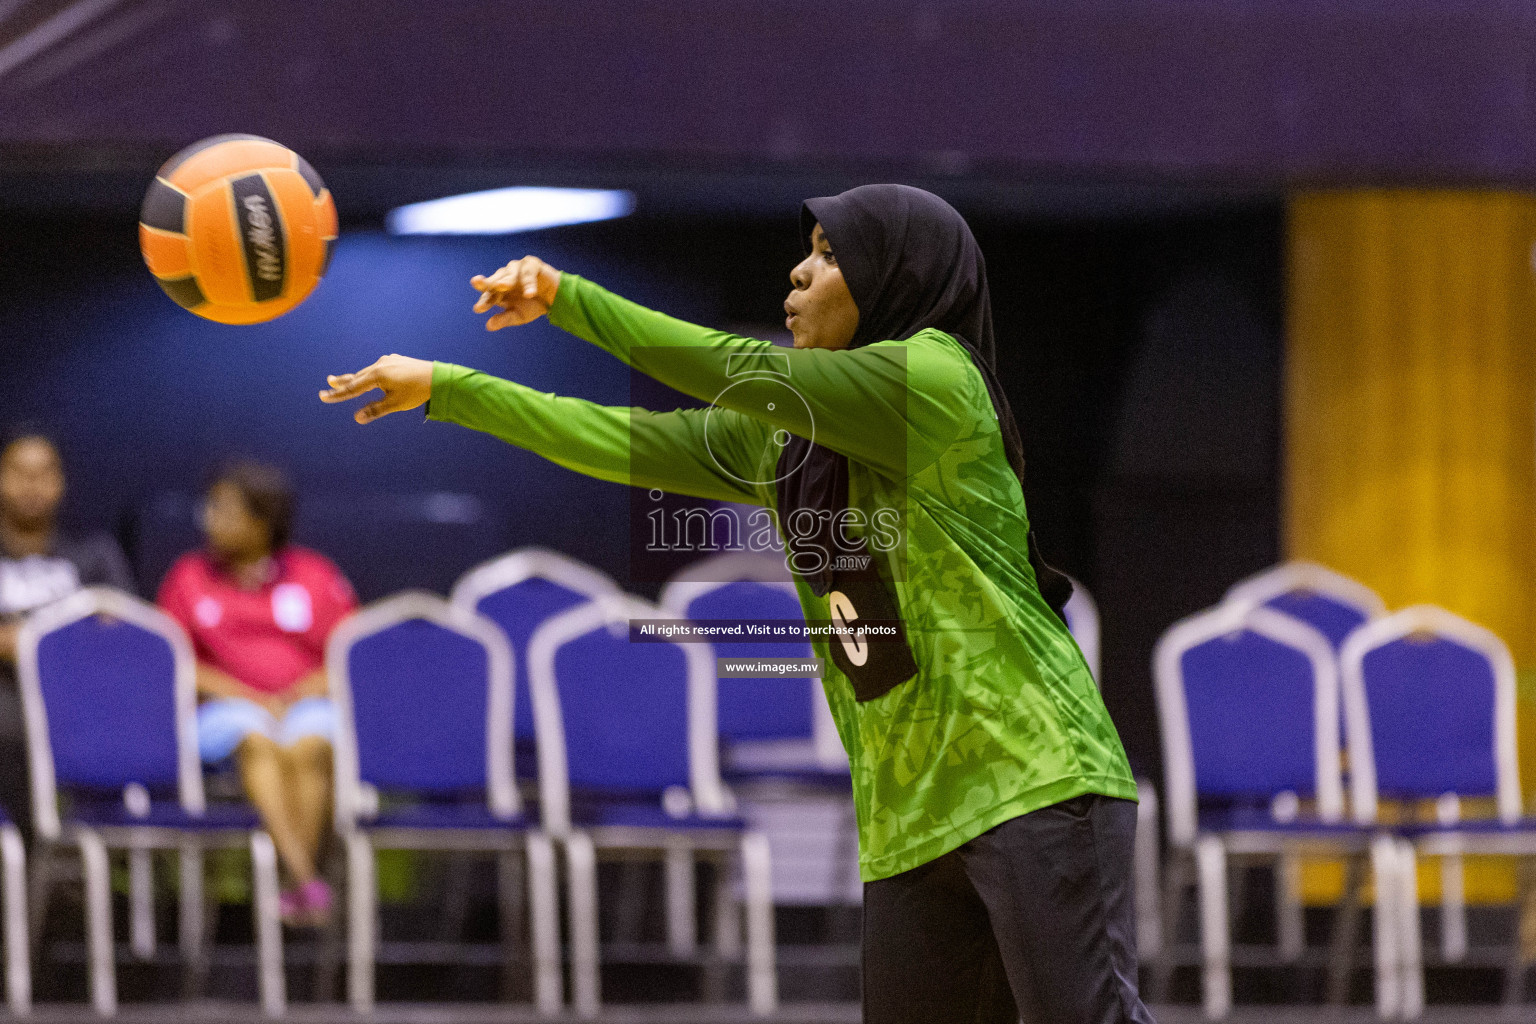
x: 269, y: 929
x: 18, y: 962
x: 762, y: 965
x: 191, y: 918
x: 1215, y: 940
x: 1409, y: 935
x: 362, y: 896
x: 1387, y: 874
x: 581, y: 878
x: 1453, y: 909
x: 1149, y: 924
x: 544, y: 910
x: 1525, y: 918
x: 682, y: 903
x: 98, y: 921
x: 141, y: 903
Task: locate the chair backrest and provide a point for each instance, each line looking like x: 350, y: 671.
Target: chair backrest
x: 1249, y: 704
x: 1082, y: 615
x: 621, y: 717
x: 1330, y: 602
x: 423, y: 695
x: 1434, y: 697
x: 741, y: 587
x: 109, y: 690
x: 518, y: 591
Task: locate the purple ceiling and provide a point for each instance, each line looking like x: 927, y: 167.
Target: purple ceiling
x: 1265, y: 91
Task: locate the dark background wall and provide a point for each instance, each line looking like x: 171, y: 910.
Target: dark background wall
x: 1218, y: 91
x: 1141, y: 356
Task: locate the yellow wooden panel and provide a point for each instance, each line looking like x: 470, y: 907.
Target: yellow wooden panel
x: 1489, y: 880
x: 1410, y: 417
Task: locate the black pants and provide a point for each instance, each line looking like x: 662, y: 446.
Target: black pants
x: 1034, y: 919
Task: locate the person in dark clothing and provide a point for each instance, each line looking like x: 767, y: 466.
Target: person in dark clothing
x: 38, y: 565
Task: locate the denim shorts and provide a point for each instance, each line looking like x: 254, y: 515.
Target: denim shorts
x: 223, y: 723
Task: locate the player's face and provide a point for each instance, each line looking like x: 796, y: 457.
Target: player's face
x: 233, y: 532
x: 31, y: 483
x: 822, y: 313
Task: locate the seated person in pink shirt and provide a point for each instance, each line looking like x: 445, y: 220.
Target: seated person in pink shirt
x: 259, y: 611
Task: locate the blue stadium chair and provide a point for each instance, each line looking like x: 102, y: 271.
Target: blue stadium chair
x: 767, y: 726
x: 423, y: 693
x: 1436, y: 698
x: 628, y: 761
x: 109, y: 691
x: 518, y: 591
x: 1249, y: 707
x: 1330, y: 602
x: 780, y: 746
x: 1335, y: 606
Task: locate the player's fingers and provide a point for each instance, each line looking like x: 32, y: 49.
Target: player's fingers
x: 519, y: 277
x: 350, y: 385
x: 374, y: 410
x: 508, y: 318
x: 505, y: 276
x: 338, y: 384
x: 491, y: 293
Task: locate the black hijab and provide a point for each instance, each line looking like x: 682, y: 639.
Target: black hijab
x: 911, y: 263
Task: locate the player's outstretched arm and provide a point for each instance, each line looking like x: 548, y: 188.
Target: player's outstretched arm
x: 895, y: 410
x: 629, y: 446
x: 406, y: 383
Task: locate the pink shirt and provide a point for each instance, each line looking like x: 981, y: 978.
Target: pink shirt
x: 268, y: 638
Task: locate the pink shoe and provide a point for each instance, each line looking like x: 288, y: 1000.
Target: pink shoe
x: 307, y: 906
x: 317, y: 900
x: 291, y: 906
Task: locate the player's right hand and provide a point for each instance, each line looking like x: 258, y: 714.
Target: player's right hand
x: 523, y: 290
x: 406, y: 383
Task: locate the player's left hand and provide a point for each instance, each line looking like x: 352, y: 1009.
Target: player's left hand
x: 406, y: 383
x: 523, y: 290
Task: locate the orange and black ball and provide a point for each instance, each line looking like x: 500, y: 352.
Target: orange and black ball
x: 237, y: 228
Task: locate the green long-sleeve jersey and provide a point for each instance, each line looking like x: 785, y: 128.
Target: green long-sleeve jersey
x: 1002, y: 716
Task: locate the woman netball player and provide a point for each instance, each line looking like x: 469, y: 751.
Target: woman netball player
x: 995, y: 804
